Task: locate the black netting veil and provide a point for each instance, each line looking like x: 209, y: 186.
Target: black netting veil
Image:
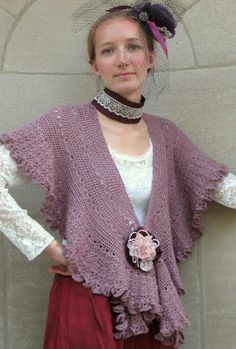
x: 164, y: 13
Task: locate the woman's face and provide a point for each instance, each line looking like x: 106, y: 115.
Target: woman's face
x: 122, y: 57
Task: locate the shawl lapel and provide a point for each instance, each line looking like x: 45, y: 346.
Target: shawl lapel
x: 101, y: 161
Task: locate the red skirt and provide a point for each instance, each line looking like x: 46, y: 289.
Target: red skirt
x: 79, y: 319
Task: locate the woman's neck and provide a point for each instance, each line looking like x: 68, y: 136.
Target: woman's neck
x: 134, y: 97
x: 119, y: 108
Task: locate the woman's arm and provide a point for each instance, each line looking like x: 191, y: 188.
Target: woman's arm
x: 15, y: 223
x: 226, y: 191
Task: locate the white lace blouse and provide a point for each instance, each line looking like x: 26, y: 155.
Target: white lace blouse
x: 136, y: 172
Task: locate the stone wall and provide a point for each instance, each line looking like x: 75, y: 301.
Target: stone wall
x: 43, y: 65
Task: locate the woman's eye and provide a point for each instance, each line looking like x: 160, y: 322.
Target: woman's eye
x: 107, y: 51
x: 135, y: 47
x: 110, y: 50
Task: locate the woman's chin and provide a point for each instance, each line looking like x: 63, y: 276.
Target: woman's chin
x: 126, y: 90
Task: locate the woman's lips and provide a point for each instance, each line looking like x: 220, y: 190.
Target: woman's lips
x: 123, y: 74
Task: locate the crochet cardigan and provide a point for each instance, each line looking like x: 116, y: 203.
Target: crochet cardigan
x: 65, y: 152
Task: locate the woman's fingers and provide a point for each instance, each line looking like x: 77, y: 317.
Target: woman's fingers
x: 59, y: 269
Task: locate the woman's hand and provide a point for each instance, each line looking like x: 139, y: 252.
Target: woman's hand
x: 59, y: 269
x: 55, y: 251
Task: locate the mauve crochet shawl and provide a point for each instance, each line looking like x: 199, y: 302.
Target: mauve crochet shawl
x: 64, y: 151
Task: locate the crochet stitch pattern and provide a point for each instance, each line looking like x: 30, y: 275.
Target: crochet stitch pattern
x: 64, y: 151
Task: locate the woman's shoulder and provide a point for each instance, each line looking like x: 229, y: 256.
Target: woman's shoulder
x: 65, y: 109
x: 60, y: 113
x: 160, y: 121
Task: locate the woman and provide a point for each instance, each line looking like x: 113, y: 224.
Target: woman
x: 125, y: 189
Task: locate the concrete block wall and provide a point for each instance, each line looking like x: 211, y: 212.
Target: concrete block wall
x: 42, y: 64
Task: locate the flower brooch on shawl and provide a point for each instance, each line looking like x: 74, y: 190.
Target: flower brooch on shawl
x: 143, y: 249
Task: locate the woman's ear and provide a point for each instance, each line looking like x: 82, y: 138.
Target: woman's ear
x: 152, y: 59
x: 95, y: 68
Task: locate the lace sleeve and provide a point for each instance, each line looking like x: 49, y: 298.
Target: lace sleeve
x: 226, y: 191
x: 10, y: 173
x: 15, y: 223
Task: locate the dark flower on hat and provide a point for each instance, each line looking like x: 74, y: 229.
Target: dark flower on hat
x: 160, y: 15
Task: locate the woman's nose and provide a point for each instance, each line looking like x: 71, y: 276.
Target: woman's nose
x: 122, y: 57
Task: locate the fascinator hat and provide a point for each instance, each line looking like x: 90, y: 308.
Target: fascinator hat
x: 157, y: 22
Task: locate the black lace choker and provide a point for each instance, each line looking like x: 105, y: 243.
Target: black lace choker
x: 117, y: 107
